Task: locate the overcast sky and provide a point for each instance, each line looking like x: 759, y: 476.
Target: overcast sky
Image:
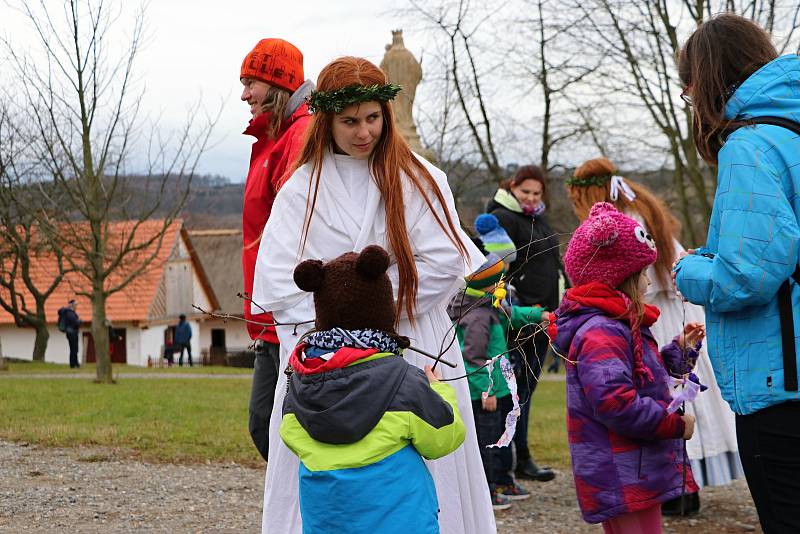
x: 196, y: 47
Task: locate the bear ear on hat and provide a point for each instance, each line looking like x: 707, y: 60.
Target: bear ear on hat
x: 309, y: 275
x: 372, y: 262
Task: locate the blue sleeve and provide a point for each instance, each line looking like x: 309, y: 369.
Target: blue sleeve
x: 758, y: 235
x: 693, y: 279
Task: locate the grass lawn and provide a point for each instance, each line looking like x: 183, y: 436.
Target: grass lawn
x: 45, y: 367
x: 547, y: 434
x: 169, y: 420
x: 184, y: 419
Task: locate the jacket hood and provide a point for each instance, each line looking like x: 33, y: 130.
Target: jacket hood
x: 507, y: 200
x: 467, y: 300
x: 771, y: 90
x: 344, y: 405
x: 298, y: 98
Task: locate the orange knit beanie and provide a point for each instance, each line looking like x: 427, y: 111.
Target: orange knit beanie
x: 276, y: 62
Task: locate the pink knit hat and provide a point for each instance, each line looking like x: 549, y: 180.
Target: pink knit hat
x: 608, y: 247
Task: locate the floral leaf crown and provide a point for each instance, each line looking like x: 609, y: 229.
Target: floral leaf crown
x: 601, y: 179
x: 335, y: 101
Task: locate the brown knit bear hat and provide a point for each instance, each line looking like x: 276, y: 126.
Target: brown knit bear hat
x: 352, y: 291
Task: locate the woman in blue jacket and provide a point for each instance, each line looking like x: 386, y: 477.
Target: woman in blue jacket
x: 744, y: 275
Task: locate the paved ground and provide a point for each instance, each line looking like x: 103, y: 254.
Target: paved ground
x: 93, y: 489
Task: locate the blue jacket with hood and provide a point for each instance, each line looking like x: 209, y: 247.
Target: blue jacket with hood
x: 753, y: 240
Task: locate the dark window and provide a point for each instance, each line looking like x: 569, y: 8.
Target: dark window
x: 218, y: 337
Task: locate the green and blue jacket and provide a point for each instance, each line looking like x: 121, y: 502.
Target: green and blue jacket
x: 482, y: 334
x: 361, y: 423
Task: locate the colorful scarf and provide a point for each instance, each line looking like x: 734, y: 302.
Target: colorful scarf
x: 534, y: 211
x: 336, y: 338
x: 617, y: 304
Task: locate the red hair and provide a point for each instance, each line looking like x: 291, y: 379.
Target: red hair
x: 390, y: 159
x: 658, y: 219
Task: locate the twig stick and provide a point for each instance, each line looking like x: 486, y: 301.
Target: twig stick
x: 432, y: 357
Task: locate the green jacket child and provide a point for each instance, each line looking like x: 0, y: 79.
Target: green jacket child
x: 481, y: 328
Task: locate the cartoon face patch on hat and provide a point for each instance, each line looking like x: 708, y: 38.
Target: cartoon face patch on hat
x: 608, y: 247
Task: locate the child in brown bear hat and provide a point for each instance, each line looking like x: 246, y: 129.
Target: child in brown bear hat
x: 359, y: 417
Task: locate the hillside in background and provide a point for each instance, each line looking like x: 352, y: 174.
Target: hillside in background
x: 215, y: 202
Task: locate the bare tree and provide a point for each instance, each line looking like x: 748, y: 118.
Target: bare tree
x: 639, y: 79
x: 444, y: 130
x: 458, y: 25
x: 542, y: 52
x: 82, y: 100
x: 22, y: 246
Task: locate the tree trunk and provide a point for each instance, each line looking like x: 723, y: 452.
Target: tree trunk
x: 40, y: 342
x: 100, y: 337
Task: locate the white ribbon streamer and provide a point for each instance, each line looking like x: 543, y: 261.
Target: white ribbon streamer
x: 618, y: 184
x: 513, y: 415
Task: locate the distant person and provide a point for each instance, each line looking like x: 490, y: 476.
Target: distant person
x: 275, y: 91
x: 183, y: 339
x: 70, y: 323
x: 519, y: 206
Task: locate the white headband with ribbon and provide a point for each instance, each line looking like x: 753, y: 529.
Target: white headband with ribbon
x: 618, y: 184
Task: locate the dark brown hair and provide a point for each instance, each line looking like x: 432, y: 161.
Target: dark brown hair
x: 660, y: 222
x: 526, y: 172
x: 390, y: 160
x: 722, y: 53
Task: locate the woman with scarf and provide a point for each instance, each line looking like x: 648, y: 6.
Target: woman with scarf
x: 519, y: 206
x: 356, y: 184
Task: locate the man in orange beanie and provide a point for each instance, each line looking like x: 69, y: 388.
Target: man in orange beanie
x: 275, y: 89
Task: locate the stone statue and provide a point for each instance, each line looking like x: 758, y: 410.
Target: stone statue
x: 403, y: 69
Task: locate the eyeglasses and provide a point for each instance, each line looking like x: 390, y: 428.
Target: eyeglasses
x: 685, y: 96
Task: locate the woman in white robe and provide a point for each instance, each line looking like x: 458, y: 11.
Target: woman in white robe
x: 349, y: 213
x: 713, y: 450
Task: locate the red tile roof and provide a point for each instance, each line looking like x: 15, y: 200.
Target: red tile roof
x: 132, y: 303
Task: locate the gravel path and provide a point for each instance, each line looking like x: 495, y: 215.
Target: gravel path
x: 93, y: 489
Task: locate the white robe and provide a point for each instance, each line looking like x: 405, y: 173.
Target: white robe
x: 715, y: 427
x: 349, y: 215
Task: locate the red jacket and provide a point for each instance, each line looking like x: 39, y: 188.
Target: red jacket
x: 269, y: 161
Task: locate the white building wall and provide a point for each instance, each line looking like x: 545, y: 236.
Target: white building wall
x: 236, y: 336
x: 199, y: 296
x: 141, y: 343
x: 151, y: 344
x: 195, y: 342
x: 18, y: 343
x: 133, y: 345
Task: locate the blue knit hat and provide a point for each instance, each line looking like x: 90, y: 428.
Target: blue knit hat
x: 494, y: 237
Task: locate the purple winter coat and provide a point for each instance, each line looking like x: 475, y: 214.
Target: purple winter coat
x: 627, y: 452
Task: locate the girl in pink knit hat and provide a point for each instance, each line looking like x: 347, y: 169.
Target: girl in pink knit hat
x: 625, y: 435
